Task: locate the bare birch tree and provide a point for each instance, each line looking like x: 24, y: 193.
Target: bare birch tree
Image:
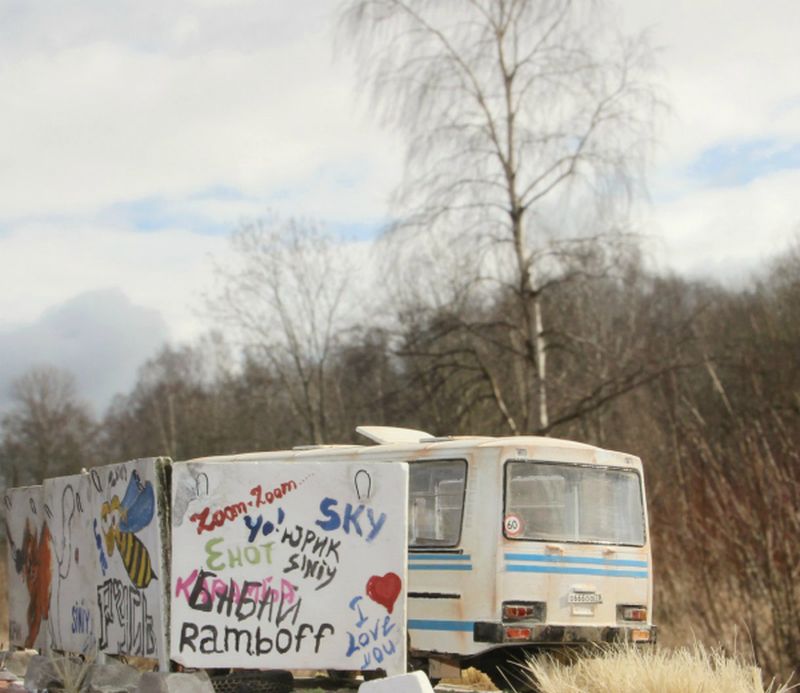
x: 521, y: 116
x: 285, y: 292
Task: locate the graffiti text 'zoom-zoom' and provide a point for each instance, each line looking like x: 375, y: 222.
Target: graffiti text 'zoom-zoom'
x: 208, y: 521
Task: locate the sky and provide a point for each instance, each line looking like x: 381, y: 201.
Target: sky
x: 135, y: 137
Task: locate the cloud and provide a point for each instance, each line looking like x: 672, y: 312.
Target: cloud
x: 739, y: 163
x: 100, y: 336
x: 168, y: 270
x: 729, y: 232
x: 242, y: 95
x: 729, y: 70
x: 134, y: 141
x: 728, y: 155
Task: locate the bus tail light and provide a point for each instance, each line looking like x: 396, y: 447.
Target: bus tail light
x: 518, y: 633
x: 523, y: 611
x: 632, y: 613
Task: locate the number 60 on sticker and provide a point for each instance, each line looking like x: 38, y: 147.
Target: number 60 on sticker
x: 512, y: 525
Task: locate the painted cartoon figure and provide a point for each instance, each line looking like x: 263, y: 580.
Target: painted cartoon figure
x: 121, y: 519
x: 32, y: 561
x: 62, y: 549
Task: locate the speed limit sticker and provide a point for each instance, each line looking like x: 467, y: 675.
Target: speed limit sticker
x: 513, y: 525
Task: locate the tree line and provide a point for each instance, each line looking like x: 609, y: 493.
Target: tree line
x: 700, y: 381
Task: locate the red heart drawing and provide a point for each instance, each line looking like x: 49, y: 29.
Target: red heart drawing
x: 384, y: 590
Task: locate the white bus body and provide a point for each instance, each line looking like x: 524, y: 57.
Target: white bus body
x: 518, y: 542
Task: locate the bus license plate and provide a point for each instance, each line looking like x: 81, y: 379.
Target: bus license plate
x: 585, y: 598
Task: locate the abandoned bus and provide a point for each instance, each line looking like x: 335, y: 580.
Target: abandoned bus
x: 520, y: 542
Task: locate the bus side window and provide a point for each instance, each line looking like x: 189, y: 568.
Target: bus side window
x: 436, y: 502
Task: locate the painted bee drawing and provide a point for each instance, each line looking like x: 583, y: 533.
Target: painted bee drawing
x: 121, y: 519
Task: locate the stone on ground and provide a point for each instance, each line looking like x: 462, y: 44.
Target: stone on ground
x: 17, y: 661
x: 41, y: 674
x: 163, y: 682
x: 113, y: 677
x: 415, y: 682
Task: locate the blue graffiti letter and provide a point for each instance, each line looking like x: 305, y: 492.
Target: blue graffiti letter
x: 333, y: 521
x: 375, y: 524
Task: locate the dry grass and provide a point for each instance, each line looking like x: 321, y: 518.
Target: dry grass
x: 475, y: 677
x: 72, y: 672
x: 142, y: 664
x: 694, y: 669
x: 472, y: 678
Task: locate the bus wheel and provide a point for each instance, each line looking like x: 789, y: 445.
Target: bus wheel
x: 421, y: 664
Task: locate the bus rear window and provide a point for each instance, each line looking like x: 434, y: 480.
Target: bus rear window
x: 560, y: 502
x: 436, y: 502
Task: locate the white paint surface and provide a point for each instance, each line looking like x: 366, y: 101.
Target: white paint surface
x: 28, y: 542
x: 322, y: 548
x: 73, y: 565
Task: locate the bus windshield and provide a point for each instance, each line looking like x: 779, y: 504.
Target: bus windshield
x: 548, y: 501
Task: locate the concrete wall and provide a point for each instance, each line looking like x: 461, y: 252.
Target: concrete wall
x: 258, y: 564
x: 289, y: 565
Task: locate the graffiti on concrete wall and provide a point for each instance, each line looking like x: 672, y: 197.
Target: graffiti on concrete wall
x: 72, y: 614
x: 126, y: 531
x: 29, y: 566
x: 281, y: 565
x: 289, y: 565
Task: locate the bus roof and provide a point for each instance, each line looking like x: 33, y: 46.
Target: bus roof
x: 391, y: 442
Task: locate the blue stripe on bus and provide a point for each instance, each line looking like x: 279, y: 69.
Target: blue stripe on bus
x: 433, y: 624
x: 574, y: 570
x: 443, y: 566
x: 550, y: 558
x: 439, y: 557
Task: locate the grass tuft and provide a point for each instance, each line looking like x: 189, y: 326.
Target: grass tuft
x: 628, y: 669
x: 72, y: 671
